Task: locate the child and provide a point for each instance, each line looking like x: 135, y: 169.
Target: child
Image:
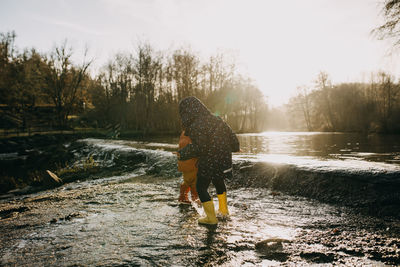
x: 213, y: 142
x: 189, y: 170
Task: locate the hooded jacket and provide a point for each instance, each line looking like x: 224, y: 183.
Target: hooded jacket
x: 213, y: 141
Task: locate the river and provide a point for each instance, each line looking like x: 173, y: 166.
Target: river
x: 127, y: 214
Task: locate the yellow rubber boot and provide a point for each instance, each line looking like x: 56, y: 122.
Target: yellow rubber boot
x: 223, y: 204
x: 210, y: 217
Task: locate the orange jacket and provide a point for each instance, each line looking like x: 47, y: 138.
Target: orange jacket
x: 190, y: 164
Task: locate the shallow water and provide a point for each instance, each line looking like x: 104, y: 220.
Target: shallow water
x: 342, y: 146
x: 137, y: 221
x: 132, y: 218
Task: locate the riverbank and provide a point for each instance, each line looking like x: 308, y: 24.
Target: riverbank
x: 25, y: 159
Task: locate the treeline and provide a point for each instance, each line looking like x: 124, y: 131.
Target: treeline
x: 356, y: 107
x: 37, y: 89
x: 138, y: 90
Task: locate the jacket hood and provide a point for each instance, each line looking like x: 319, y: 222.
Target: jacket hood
x: 191, y: 108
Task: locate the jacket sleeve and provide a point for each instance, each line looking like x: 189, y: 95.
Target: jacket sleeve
x: 196, y: 148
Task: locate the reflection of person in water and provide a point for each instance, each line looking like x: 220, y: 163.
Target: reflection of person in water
x: 213, y: 142
x: 189, y: 171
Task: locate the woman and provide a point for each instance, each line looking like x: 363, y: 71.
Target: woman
x: 213, y: 142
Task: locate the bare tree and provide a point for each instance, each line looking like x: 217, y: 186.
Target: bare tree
x: 387, y: 92
x: 323, y: 83
x: 146, y: 69
x: 390, y: 29
x: 186, y: 72
x: 305, y: 104
x: 64, y: 81
x: 7, y: 56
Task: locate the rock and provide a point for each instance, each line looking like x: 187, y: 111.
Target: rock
x: 352, y: 252
x: 272, y: 249
x: 69, y: 216
x: 318, y: 257
x: 268, y: 245
x: 271, y: 240
x: 72, y: 215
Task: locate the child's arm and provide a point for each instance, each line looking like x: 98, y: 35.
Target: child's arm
x: 193, y: 150
x: 188, y: 152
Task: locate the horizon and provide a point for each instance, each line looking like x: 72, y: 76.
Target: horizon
x: 280, y: 46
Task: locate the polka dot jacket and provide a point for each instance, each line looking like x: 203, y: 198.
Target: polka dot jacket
x: 213, y: 141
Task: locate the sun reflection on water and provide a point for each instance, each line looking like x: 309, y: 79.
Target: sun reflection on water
x: 312, y: 163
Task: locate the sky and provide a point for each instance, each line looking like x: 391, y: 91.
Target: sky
x: 279, y: 44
